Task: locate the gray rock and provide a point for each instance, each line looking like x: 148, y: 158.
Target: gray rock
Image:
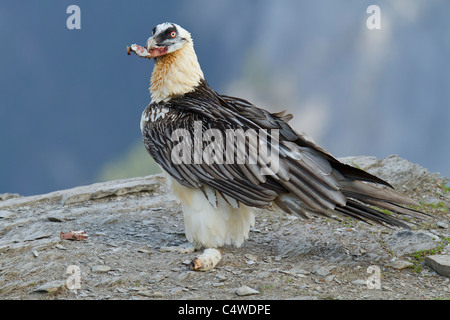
x: 37, y: 236
x: 4, y: 214
x: 251, y: 257
x: 406, y: 242
x: 54, y: 219
x: 304, y: 298
x: 49, y: 287
x: 144, y: 250
x: 299, y: 272
x: 156, y: 278
x: 150, y: 294
x: 246, y: 291
x: 126, y: 218
x: 322, y: 271
x: 329, y: 278
x: 399, y: 264
x: 440, y: 263
x: 84, y: 193
x: 6, y: 196
x: 442, y: 224
x: 359, y: 282
x: 185, y: 248
x: 101, y: 268
x: 175, y: 291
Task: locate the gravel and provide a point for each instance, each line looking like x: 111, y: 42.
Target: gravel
x: 136, y: 249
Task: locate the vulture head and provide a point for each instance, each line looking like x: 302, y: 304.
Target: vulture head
x: 176, y: 70
x: 167, y: 38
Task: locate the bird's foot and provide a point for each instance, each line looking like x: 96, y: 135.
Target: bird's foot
x: 207, y: 260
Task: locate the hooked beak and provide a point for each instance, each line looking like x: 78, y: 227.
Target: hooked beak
x: 154, y: 49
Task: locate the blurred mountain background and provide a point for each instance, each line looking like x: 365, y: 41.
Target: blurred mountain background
x: 71, y: 100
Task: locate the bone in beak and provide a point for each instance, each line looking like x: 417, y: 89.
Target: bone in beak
x: 138, y: 50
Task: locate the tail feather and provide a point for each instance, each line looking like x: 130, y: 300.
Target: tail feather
x: 396, y: 208
x: 365, y: 213
x: 361, y: 190
x: 364, y: 202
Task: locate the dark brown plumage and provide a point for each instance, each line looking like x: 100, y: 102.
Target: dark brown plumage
x: 309, y: 179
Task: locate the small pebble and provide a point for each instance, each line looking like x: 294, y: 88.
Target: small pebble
x: 359, y: 282
x: 101, y: 268
x: 246, y: 291
x: 399, y: 264
x: 49, y: 287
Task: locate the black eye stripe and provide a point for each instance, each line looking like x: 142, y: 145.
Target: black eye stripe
x: 168, y: 31
x: 161, y: 35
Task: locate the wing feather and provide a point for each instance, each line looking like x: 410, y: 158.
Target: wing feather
x: 308, y: 177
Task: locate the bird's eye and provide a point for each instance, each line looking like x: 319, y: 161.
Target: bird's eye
x: 173, y: 34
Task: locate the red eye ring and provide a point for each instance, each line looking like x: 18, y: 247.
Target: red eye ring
x: 173, y: 34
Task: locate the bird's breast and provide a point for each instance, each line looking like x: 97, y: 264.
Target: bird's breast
x: 154, y: 113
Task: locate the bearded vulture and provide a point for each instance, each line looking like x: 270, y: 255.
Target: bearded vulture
x: 214, y: 151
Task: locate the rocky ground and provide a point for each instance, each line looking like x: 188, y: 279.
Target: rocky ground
x: 136, y: 249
